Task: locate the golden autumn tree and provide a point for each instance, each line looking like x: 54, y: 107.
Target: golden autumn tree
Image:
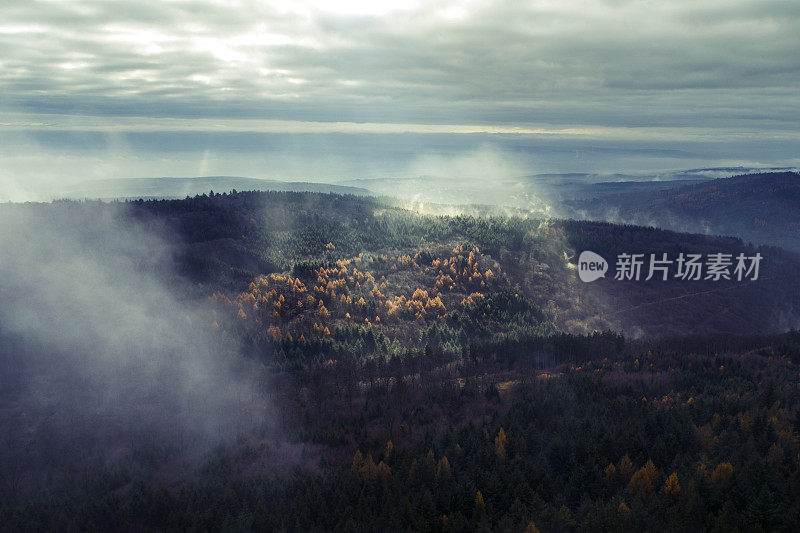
x: 672, y: 487
x: 500, y: 444
x: 369, y: 469
x: 610, y: 473
x: 651, y: 469
x: 383, y: 470
x: 413, y: 468
x: 722, y: 472
x: 480, y: 507
x: 274, y: 332
x: 443, y: 469
x: 642, y: 480
x: 531, y: 528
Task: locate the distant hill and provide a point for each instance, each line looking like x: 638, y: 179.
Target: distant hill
x: 533, y: 193
x: 541, y: 193
x: 761, y: 208
x: 182, y: 187
x: 230, y: 241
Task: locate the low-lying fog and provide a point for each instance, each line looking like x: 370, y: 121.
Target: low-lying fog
x: 102, y: 363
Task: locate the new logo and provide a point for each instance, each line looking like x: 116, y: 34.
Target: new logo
x: 591, y: 266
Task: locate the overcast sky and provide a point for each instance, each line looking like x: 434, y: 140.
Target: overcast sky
x: 339, y: 89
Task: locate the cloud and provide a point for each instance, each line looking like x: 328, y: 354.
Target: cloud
x: 693, y: 71
x: 491, y: 55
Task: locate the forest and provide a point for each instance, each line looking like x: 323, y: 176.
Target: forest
x: 341, y: 363
x: 762, y: 207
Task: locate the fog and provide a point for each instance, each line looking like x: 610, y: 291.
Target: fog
x: 42, y: 164
x: 104, y: 364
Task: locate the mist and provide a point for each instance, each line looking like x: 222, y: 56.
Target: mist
x: 106, y: 364
x: 42, y: 164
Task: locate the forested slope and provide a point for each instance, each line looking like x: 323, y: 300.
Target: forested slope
x: 762, y: 208
x: 350, y: 365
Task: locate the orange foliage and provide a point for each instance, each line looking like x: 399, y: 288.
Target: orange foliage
x: 500, y: 444
x: 672, y: 487
x: 275, y: 332
x: 472, y: 299
x: 642, y: 480
x: 722, y: 472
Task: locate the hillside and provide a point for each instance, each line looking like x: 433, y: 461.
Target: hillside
x: 306, y: 361
x: 382, y: 253
x: 759, y: 208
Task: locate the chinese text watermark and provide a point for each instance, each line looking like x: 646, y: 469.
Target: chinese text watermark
x: 662, y: 266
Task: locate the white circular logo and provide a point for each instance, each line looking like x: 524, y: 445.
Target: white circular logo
x: 591, y: 266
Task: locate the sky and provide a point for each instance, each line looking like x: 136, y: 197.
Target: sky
x: 328, y: 91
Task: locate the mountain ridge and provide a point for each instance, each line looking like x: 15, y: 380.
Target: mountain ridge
x: 762, y: 208
x: 180, y: 187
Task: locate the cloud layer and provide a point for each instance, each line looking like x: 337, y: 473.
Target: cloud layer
x: 597, y: 62
x: 609, y: 70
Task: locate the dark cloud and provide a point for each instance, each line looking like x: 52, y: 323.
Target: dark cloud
x: 497, y: 54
